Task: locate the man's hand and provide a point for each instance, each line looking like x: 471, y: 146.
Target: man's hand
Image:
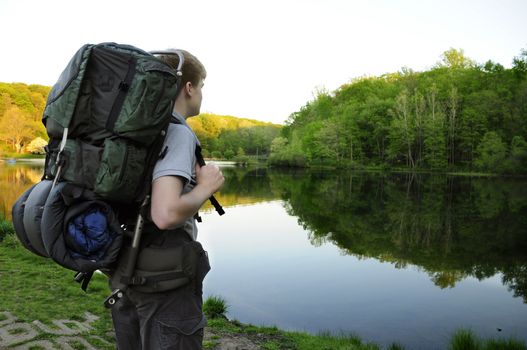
x: 210, y: 177
x: 170, y: 207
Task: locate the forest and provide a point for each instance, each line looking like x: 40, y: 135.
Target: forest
x: 227, y: 137
x: 222, y: 137
x: 456, y: 116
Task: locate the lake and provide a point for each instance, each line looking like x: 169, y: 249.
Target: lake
x: 406, y: 258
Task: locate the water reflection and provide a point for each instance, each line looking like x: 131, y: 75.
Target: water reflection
x: 451, y: 227
x: 14, y: 180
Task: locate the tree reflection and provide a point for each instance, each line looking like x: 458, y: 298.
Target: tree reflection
x: 452, y: 227
x: 14, y: 180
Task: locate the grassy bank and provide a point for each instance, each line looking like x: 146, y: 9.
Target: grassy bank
x: 13, y: 155
x: 391, y: 169
x: 34, y: 288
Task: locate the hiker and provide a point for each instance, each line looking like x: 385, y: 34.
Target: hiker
x: 172, y: 318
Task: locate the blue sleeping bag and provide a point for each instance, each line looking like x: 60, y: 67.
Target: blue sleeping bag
x: 88, y: 235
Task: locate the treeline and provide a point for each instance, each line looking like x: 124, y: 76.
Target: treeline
x: 21, y: 108
x: 458, y: 115
x: 225, y: 137
x: 229, y: 137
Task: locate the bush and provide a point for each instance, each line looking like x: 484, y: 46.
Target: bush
x: 5, y: 227
x: 492, y: 152
x: 216, y: 155
x: 36, y: 146
x: 229, y: 154
x: 215, y: 307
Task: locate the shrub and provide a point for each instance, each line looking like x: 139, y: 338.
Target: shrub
x: 36, y: 146
x: 215, y: 307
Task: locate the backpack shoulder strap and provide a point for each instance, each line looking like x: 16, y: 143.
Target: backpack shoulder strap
x: 175, y: 120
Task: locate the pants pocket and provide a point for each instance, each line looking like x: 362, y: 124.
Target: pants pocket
x: 184, y: 334
x: 202, y: 268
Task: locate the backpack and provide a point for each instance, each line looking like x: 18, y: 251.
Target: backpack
x: 106, y: 118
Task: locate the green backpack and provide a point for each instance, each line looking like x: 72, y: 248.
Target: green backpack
x: 107, y: 117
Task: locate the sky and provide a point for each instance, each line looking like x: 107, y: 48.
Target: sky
x: 264, y: 59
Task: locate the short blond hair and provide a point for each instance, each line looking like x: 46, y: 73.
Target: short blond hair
x: 193, y: 70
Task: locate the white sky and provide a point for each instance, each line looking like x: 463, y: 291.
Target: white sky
x: 264, y: 58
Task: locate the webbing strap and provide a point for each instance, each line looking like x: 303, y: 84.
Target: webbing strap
x: 123, y: 90
x: 142, y: 280
x: 84, y: 279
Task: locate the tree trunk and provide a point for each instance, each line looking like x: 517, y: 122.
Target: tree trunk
x: 452, y: 122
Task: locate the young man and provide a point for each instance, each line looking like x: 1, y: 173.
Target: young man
x: 172, y: 319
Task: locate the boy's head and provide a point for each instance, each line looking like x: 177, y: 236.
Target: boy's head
x: 188, y: 101
x: 193, y: 70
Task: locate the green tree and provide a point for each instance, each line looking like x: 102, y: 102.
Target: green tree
x: 518, y: 155
x: 16, y: 128
x: 492, y: 152
x: 453, y: 58
x: 229, y: 154
x: 402, y: 131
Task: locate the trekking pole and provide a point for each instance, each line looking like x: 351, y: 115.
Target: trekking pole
x: 132, y: 258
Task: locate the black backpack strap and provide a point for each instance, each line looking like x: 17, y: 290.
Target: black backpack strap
x: 121, y: 95
x: 142, y: 280
x: 175, y: 120
x: 212, y: 199
x: 83, y: 278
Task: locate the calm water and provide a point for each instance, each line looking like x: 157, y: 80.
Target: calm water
x: 399, y: 258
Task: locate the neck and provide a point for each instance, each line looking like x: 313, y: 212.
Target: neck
x: 181, y: 108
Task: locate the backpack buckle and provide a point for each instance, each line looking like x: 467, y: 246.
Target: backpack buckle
x: 123, y: 86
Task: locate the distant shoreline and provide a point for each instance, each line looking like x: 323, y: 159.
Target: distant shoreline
x: 23, y: 160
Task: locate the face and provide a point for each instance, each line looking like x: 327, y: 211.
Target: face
x: 195, y: 98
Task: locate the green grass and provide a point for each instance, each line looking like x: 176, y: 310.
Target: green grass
x: 6, y: 227
x: 36, y: 288
x: 327, y: 341
x: 466, y: 340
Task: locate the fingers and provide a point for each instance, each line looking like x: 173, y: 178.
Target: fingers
x: 210, y: 176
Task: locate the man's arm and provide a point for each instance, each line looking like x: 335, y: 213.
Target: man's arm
x: 170, y: 207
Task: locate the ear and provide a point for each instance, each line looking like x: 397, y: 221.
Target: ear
x: 188, y: 88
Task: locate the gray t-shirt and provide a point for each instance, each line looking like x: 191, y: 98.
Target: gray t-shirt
x: 180, y: 160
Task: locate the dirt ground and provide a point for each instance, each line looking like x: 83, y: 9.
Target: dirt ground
x: 70, y: 333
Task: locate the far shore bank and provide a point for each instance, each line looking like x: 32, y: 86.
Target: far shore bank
x: 231, y: 163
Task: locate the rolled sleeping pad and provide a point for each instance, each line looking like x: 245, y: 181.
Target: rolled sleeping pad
x: 18, y: 221
x: 64, y: 203
x: 33, y: 214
